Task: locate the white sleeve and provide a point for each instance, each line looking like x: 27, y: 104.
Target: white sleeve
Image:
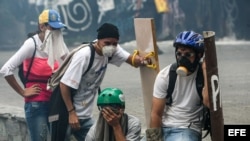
x: 78, y: 65
x: 119, y: 56
x: 24, y: 52
x: 161, y: 83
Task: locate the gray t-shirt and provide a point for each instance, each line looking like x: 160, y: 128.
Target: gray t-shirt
x: 133, y: 134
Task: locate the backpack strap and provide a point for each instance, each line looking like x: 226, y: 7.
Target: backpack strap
x: 126, y: 123
x: 92, y: 56
x: 31, y: 62
x: 206, y: 122
x: 199, y: 81
x: 199, y: 87
x: 91, y: 61
x: 171, y: 83
x: 172, y: 80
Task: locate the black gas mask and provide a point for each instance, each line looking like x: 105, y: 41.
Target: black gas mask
x: 185, y: 65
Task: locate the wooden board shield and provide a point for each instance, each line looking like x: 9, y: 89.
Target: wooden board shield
x: 217, y: 121
x: 146, y: 44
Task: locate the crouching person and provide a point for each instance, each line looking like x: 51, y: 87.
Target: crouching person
x: 113, y: 124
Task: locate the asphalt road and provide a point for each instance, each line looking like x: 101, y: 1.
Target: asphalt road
x: 234, y: 79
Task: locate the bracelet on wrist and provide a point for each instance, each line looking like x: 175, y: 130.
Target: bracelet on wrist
x: 71, y: 110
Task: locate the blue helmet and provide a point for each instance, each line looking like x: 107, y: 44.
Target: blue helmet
x: 190, y: 39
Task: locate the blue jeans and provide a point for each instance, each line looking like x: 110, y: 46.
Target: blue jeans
x: 179, y: 134
x: 36, y: 114
x: 80, y: 135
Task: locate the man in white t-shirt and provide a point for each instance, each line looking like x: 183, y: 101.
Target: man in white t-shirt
x: 81, y: 108
x: 179, y: 116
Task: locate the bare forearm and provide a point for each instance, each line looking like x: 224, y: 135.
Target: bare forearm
x: 13, y: 83
x: 119, y: 136
x: 205, y: 88
x: 158, y: 106
x: 156, y: 121
x: 66, y: 95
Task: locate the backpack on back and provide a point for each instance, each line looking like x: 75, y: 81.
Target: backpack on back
x: 199, y: 87
x: 58, y: 113
x: 54, y: 80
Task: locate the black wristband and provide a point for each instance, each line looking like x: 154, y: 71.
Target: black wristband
x: 71, y: 109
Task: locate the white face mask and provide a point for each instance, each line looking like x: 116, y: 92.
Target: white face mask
x: 47, y: 38
x: 108, y: 51
x: 52, y: 39
x: 54, y: 46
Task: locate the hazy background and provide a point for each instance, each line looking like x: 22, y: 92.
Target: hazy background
x: 228, y: 18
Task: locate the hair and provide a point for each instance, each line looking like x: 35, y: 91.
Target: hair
x: 30, y: 34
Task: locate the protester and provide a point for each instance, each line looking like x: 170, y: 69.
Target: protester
x: 179, y: 117
x: 107, y: 51
x: 113, y: 123
x: 49, y: 48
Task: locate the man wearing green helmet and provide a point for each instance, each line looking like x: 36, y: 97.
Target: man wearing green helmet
x: 113, y: 124
x: 86, y: 81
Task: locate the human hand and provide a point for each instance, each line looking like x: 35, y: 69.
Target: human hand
x: 142, y: 61
x: 205, y: 88
x: 73, y: 121
x: 112, y: 117
x: 33, y: 90
x: 145, y: 61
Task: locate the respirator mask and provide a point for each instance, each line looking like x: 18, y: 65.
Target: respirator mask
x: 184, y: 64
x: 108, y: 51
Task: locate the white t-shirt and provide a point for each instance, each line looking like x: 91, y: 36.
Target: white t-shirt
x: 186, y: 108
x: 87, y: 86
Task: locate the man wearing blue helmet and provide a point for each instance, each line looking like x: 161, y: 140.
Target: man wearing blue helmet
x: 113, y: 124
x: 177, y: 109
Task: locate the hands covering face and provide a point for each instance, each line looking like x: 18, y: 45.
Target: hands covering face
x: 112, y: 115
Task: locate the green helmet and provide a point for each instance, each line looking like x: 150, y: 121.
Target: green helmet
x: 111, y: 96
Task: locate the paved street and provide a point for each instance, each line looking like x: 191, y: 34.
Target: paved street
x: 234, y: 75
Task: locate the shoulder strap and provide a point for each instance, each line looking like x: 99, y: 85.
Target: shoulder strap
x: 55, y: 78
x: 31, y: 62
x: 126, y: 123
x: 91, y: 61
x: 92, y: 56
x: 199, y: 81
x: 171, y: 83
x: 172, y: 80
